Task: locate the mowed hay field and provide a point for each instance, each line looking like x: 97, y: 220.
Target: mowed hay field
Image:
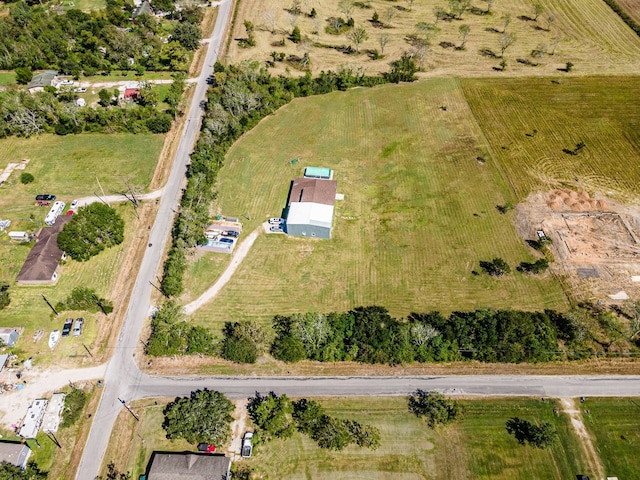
x: 632, y: 7
x: 586, y: 32
x: 602, y: 112
x: 477, y: 447
x: 419, y: 211
x: 615, y: 425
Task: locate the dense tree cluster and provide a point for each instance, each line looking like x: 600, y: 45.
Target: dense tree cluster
x: 371, y: 335
x: 240, y: 96
x: 11, y: 472
x: 539, y: 436
x: 35, y: 36
x: 5, y: 299
x: 278, y: 417
x: 434, y: 407
x: 171, y: 335
x: 204, y: 417
x: 24, y: 114
x: 93, y: 229
x: 243, y: 341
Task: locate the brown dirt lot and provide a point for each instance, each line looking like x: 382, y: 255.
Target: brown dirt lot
x: 586, y: 32
x: 595, y: 241
x: 632, y: 7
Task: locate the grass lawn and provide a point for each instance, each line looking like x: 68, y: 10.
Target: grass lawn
x: 478, y: 447
x: 586, y: 32
x: 615, y: 425
x: 203, y: 269
x: 7, y: 77
x: 418, y: 215
x: 28, y: 309
x: 132, y: 442
x: 529, y: 121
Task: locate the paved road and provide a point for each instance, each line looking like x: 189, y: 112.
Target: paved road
x: 122, y: 373
x: 485, y: 385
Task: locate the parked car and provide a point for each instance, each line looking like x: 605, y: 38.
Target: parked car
x: 66, y: 329
x: 276, y: 229
x: 77, y: 327
x: 42, y: 203
x: 231, y: 234
x: 73, y: 205
x: 206, y: 448
x: 81, y: 90
x: 45, y: 197
x: 247, y: 445
x: 225, y: 240
x: 276, y: 221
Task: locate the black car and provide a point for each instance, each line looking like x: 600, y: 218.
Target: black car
x: 231, y: 233
x: 45, y: 197
x: 66, y: 330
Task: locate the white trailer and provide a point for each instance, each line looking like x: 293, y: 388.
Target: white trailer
x: 20, y: 236
x: 55, y: 212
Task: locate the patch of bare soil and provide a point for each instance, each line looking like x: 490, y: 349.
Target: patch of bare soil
x: 586, y: 442
x: 596, y: 245
x: 238, y: 427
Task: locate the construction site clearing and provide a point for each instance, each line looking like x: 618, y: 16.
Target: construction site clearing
x: 595, y: 241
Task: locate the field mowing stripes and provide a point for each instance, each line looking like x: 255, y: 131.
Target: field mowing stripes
x: 419, y: 209
x: 602, y: 112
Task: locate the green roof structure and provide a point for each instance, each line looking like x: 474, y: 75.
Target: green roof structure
x: 318, y: 172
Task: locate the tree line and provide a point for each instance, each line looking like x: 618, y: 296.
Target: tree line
x: 37, y: 36
x: 239, y: 97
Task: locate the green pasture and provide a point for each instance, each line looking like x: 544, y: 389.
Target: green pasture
x: 419, y: 213
x: 478, y: 447
x: 615, y: 425
x: 528, y: 122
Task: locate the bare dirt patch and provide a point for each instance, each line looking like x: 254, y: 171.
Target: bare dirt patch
x: 586, y: 442
x: 596, y: 245
x: 238, y: 427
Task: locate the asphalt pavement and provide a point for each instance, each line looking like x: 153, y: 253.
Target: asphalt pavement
x: 122, y: 374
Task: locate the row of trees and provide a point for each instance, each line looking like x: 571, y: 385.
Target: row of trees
x: 240, y: 96
x: 73, y: 42
x: 85, y: 299
x: 276, y: 416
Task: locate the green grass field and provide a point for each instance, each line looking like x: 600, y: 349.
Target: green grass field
x: 7, y: 77
x: 615, y: 424
x: 477, y: 447
x: 603, y: 112
x: 418, y: 215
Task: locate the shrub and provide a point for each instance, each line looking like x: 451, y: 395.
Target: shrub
x: 496, y: 267
x: 539, y: 436
x: 160, y: 123
x: 26, y: 178
x: 74, y: 404
x: 296, y: 37
x: 434, y: 407
x: 84, y: 298
x: 5, y: 299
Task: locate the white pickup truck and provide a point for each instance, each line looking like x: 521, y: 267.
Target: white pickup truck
x: 247, y: 445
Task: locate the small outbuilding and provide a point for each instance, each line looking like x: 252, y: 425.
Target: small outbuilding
x: 310, y: 207
x: 9, y: 336
x: 322, y: 173
x: 48, y: 78
x: 15, y: 453
x: 188, y: 466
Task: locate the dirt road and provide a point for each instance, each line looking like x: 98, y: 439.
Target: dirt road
x: 212, y: 291
x: 590, y: 453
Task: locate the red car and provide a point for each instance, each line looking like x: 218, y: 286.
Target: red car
x: 206, y: 448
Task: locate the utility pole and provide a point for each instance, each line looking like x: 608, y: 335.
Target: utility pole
x: 50, y: 306
x: 102, y: 190
x: 128, y: 409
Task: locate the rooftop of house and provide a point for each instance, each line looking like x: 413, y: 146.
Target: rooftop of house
x: 42, y: 261
x: 313, y: 190
x: 188, y: 466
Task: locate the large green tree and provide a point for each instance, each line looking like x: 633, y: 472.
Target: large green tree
x: 204, y: 416
x: 434, y: 407
x: 93, y: 229
x: 272, y: 415
x: 11, y: 472
x: 187, y: 35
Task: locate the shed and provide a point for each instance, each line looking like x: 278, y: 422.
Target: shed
x: 188, y: 466
x: 131, y: 93
x: 9, y: 336
x: 14, y: 453
x: 310, y: 207
x: 322, y: 173
x: 43, y: 261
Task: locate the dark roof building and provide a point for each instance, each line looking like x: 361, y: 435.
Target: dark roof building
x: 313, y: 190
x: 188, y: 466
x: 41, y: 80
x: 43, y: 261
x: 14, y: 453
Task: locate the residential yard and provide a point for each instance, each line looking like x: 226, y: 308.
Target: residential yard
x: 419, y: 211
x: 615, y: 425
x: 529, y: 121
x: 203, y: 269
x: 477, y: 447
x: 132, y: 443
x: 585, y: 32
